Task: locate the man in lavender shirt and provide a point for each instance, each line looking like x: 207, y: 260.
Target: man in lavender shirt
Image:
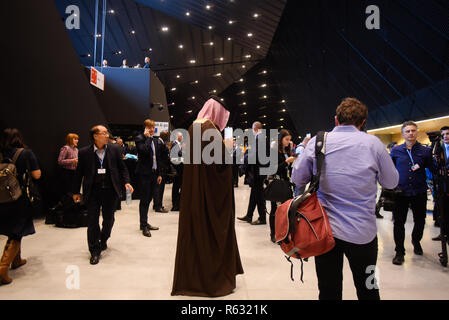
x: 354, y: 163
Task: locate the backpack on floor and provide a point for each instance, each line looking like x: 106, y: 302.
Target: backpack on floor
x: 301, y: 224
x: 10, y: 189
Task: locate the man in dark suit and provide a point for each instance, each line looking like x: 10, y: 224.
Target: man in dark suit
x: 104, y: 173
x: 148, y: 171
x: 256, y: 196
x: 176, y: 153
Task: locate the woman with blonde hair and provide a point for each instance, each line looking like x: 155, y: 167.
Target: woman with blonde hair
x: 68, y: 160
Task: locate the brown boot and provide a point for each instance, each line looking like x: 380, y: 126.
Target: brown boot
x: 10, y: 252
x: 18, y: 261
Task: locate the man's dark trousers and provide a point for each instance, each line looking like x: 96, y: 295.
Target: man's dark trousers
x: 106, y: 199
x: 256, y: 198
x: 418, y: 205
x: 147, y: 188
x: 362, y: 260
x: 158, y: 194
x: 177, y: 184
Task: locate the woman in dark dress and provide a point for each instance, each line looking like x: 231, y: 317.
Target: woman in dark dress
x: 284, y: 168
x: 16, y: 219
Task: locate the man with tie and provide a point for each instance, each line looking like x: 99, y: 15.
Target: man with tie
x: 105, y: 174
x: 148, y: 172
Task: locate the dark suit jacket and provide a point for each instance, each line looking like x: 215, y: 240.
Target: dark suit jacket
x: 145, y: 154
x: 86, y: 169
x: 146, y: 66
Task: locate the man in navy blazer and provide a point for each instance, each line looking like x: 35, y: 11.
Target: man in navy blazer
x: 104, y: 173
x: 148, y: 170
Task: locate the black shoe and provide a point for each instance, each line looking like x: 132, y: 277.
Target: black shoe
x: 94, y: 259
x: 103, y: 245
x: 257, y: 222
x: 438, y: 238
x: 161, y: 210
x: 152, y: 227
x: 379, y: 216
x: 417, y: 249
x: 398, y: 259
x: 175, y: 209
x: 246, y: 219
x: 146, y: 231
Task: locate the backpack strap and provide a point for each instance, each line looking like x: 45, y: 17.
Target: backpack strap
x: 320, y: 151
x: 16, y: 155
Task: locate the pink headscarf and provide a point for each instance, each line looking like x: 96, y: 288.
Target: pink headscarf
x: 215, y: 112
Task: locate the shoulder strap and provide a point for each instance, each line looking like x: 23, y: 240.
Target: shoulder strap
x: 320, y: 150
x: 16, y: 155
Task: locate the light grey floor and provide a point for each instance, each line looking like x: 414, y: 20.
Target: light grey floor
x: 136, y: 267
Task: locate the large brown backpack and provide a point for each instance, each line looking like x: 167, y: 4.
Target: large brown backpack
x: 10, y: 189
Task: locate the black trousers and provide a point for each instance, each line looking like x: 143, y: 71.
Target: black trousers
x: 256, y: 198
x: 418, y: 205
x: 177, y: 184
x: 272, y: 218
x: 106, y: 199
x: 147, y: 188
x: 66, y: 181
x: 158, y: 194
x: 362, y: 260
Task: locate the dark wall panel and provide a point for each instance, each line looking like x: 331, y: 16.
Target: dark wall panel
x: 46, y: 92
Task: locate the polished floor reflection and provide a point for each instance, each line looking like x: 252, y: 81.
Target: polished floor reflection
x: 136, y: 267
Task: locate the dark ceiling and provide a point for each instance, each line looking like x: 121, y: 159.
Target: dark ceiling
x: 314, y: 53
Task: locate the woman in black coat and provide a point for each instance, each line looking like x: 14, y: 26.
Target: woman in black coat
x: 283, y: 171
x: 16, y: 220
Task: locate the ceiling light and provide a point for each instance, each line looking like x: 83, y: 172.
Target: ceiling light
x: 230, y: 21
x: 211, y: 43
x: 263, y: 85
x: 258, y: 47
x: 283, y: 110
x: 187, y: 13
x: 218, y: 74
x: 250, y: 35
x: 193, y: 98
x: 98, y: 36
x: 221, y: 59
x: 88, y: 54
x: 281, y: 119
x: 208, y: 7
x: 264, y: 72
x: 264, y: 97
x: 213, y: 91
x: 245, y: 113
x: 256, y: 15
x: 171, y: 117
x: 243, y: 66
x: 221, y: 99
x: 111, y: 11
x: 229, y: 38
x: 242, y: 92
x: 173, y: 89
x: 165, y: 29
x: 241, y: 80
x: 180, y: 46
x: 283, y: 101
x: 282, y: 127
x: 133, y: 32
x: 178, y: 76
x: 210, y: 27
x: 192, y: 61
x: 195, y: 82
x: 248, y: 56
x: 150, y: 49
x: 244, y: 103
x: 190, y: 111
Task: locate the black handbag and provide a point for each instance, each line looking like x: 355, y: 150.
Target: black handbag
x: 388, y: 198
x: 278, y: 190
